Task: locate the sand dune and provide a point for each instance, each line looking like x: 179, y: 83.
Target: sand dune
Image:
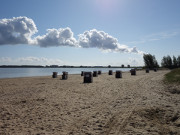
x: 132, y: 105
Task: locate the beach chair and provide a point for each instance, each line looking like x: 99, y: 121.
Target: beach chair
x: 88, y: 77
x: 110, y: 72
x: 64, y: 75
x: 54, y: 75
x: 133, y: 71
x: 95, y: 74
x: 118, y: 74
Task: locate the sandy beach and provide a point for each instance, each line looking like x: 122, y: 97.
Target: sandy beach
x: 132, y: 105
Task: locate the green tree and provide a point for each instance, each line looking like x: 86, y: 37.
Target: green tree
x: 178, y: 61
x: 156, y: 65
x: 150, y: 61
x: 167, y: 62
x: 175, y: 64
x: 164, y: 62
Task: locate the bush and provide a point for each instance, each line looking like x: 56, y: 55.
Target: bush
x: 173, y: 76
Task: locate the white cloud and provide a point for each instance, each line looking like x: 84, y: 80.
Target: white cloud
x: 97, y: 39
x: 30, y: 61
x: 57, y: 37
x: 104, y: 42
x: 17, y: 30
x: 135, y: 50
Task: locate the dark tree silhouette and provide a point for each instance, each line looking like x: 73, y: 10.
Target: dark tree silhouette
x: 178, y: 61
x: 175, y: 64
x: 167, y: 62
x: 150, y: 61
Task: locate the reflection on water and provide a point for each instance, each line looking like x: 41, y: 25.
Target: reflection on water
x: 28, y: 72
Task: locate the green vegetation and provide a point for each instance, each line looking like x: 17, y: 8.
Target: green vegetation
x: 166, y: 62
x: 150, y: 61
x: 173, y: 76
x: 171, y: 63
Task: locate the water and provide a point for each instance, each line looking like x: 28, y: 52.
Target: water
x: 29, y: 72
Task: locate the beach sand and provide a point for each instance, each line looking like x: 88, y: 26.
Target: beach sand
x: 132, y: 105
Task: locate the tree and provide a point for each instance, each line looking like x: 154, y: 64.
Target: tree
x: 150, y: 61
x: 164, y: 62
x: 156, y: 65
x: 175, y: 64
x: 178, y: 61
x: 167, y: 62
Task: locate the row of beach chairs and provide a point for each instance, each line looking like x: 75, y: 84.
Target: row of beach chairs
x: 88, y: 76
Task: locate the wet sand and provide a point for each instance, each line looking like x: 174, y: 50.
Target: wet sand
x: 132, y: 105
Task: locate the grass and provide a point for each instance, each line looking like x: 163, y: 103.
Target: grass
x: 173, y: 76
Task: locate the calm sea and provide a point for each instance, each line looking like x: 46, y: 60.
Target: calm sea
x: 29, y: 72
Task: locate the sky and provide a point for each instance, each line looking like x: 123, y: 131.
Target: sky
x: 88, y: 32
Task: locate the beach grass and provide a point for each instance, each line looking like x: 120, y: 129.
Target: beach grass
x: 173, y: 76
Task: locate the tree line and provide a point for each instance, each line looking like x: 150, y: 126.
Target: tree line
x: 166, y: 62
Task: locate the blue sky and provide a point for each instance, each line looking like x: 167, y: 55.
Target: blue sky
x: 88, y: 32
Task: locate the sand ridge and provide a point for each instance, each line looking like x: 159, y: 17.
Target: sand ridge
x: 139, y: 104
